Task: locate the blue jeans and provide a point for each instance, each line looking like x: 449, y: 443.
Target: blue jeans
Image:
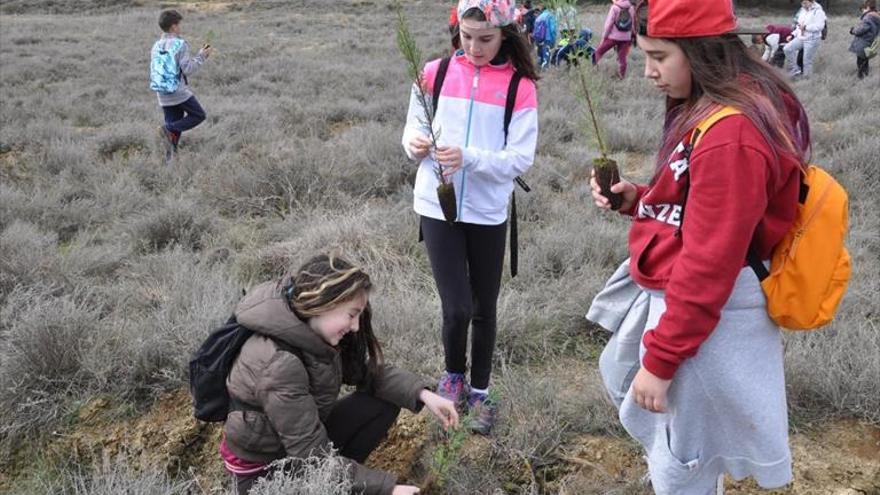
x: 543, y: 55
x: 183, y: 117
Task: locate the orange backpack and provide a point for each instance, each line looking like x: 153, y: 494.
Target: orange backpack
x: 810, y: 267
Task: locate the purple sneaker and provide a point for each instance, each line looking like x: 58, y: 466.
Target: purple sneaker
x: 484, y: 411
x: 454, y: 387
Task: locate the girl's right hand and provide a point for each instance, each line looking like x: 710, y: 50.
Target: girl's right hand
x: 628, y: 189
x: 405, y: 490
x: 419, y: 146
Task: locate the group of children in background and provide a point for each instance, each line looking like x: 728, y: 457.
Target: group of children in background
x: 698, y: 416
x: 794, y: 46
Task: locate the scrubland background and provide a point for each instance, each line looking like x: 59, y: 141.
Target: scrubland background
x: 114, y: 267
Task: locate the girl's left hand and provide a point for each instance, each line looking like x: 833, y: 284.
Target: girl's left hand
x: 442, y: 408
x: 449, y: 157
x: 649, y: 391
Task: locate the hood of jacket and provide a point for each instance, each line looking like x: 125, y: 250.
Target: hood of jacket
x: 265, y: 311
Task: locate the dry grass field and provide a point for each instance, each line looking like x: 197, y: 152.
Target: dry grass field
x: 113, y: 267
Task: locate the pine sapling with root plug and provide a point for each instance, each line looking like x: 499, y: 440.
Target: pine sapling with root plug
x: 607, y: 172
x: 413, y: 56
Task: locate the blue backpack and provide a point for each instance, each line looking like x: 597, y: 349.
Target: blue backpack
x: 545, y: 29
x: 165, y: 73
x: 540, y: 30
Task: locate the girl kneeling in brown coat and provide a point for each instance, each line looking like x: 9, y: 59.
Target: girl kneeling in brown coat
x: 312, y: 334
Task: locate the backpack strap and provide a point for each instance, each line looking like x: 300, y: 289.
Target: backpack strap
x: 438, y: 83
x: 512, y: 89
x: 752, y: 257
x: 696, y: 137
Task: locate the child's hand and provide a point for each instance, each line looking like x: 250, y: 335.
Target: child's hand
x: 649, y: 391
x: 449, y: 157
x: 627, y: 189
x: 444, y: 409
x: 419, y: 147
x: 206, y: 51
x: 405, y: 490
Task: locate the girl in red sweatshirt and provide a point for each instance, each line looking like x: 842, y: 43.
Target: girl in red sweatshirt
x: 707, y: 395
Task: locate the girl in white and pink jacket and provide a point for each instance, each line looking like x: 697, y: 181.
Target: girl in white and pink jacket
x: 618, y: 33
x: 481, y: 161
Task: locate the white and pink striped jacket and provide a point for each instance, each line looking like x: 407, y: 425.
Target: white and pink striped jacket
x: 470, y: 114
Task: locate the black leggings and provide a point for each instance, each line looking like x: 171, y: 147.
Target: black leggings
x: 862, y: 65
x: 356, y: 425
x: 467, y: 261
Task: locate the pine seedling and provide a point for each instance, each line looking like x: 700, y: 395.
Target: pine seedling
x: 586, y: 89
x: 406, y: 43
x: 447, y: 454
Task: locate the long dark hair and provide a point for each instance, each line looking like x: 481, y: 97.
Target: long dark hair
x: 323, y: 283
x: 514, y: 47
x: 726, y: 73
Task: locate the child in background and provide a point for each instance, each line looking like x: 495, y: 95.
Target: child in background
x: 528, y: 19
x: 617, y: 34
x: 473, y: 153
x: 544, y: 36
x: 181, y: 108
x: 864, y: 34
x: 312, y: 333
x: 575, y: 49
x: 705, y: 393
x: 774, y: 40
x: 758, y: 45
x: 807, y: 35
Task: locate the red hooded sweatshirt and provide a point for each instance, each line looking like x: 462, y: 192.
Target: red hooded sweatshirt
x: 738, y: 190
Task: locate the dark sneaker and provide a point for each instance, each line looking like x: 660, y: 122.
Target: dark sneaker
x: 169, y: 143
x: 454, y: 387
x: 484, y: 412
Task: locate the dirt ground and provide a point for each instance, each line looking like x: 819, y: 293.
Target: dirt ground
x: 840, y: 458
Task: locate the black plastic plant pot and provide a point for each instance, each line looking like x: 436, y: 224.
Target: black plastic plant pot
x: 607, y: 175
x: 446, y: 195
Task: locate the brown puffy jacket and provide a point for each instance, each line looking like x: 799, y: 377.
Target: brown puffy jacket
x: 294, y: 395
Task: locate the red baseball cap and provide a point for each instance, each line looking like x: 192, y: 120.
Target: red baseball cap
x: 690, y: 18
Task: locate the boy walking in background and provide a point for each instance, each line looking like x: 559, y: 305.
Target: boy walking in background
x: 170, y: 64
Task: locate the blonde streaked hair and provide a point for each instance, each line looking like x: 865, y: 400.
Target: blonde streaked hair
x: 320, y: 285
x: 324, y: 282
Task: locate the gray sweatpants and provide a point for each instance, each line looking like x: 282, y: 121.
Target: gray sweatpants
x: 726, y: 406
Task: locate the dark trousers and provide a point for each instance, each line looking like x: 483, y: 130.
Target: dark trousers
x: 862, y: 64
x: 356, y: 425
x: 779, y: 58
x: 622, y: 48
x: 467, y: 261
x: 183, y: 117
